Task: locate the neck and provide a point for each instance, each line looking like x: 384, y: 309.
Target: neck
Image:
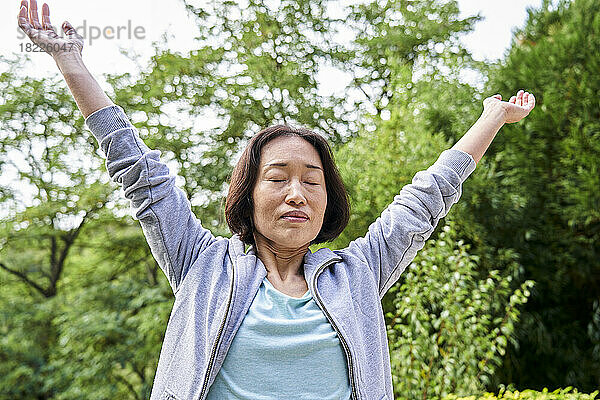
x: 283, y: 263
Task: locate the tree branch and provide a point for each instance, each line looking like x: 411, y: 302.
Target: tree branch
x: 25, y: 279
x: 139, y: 372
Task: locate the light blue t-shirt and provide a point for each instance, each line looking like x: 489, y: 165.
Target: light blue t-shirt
x: 285, y: 348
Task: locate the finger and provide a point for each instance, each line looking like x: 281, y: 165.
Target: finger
x: 531, y: 101
x: 46, y: 24
x: 68, y: 29
x: 33, y: 15
x: 513, y: 99
x: 24, y: 10
x: 497, y: 96
x: 519, y: 101
x: 23, y: 18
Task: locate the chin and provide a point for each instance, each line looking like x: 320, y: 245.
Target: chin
x: 293, y: 239
x: 296, y: 243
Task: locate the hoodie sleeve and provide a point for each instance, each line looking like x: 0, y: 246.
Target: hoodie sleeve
x: 393, y: 240
x: 173, y: 232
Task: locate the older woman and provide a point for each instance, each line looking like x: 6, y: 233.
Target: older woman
x: 274, y: 321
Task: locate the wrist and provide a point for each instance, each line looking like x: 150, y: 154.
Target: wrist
x: 496, y: 115
x: 68, y: 62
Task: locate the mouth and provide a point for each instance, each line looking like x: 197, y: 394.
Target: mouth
x: 295, y: 216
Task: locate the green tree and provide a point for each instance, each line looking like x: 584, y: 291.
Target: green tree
x: 396, y: 40
x: 61, y: 241
x: 546, y: 204
x: 38, y: 122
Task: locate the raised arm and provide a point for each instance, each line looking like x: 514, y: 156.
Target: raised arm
x: 393, y: 240
x: 66, y: 52
x: 495, y: 114
x: 175, y: 236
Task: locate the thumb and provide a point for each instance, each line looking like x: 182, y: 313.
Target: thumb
x: 492, y: 99
x: 71, y: 32
x: 68, y: 28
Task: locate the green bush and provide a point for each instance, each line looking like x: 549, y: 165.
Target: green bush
x: 451, y: 324
x: 559, y: 394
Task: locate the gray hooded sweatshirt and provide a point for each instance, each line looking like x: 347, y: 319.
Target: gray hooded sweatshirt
x: 214, y: 279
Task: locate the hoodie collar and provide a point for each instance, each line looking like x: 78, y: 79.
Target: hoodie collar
x: 312, y: 261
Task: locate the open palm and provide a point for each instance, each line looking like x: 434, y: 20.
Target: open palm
x: 44, y: 35
x: 515, y: 109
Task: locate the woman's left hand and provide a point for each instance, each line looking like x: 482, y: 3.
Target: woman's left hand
x: 515, y: 109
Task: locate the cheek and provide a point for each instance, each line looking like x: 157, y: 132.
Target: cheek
x: 322, y: 202
x: 265, y: 204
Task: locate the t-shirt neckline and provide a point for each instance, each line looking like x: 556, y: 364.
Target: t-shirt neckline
x: 281, y: 294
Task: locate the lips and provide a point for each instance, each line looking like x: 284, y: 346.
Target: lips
x: 295, y: 214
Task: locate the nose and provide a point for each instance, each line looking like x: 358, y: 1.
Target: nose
x: 295, y: 193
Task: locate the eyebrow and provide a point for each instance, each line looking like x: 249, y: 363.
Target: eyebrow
x: 285, y: 165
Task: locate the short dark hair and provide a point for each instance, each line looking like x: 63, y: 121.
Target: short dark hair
x: 238, y: 204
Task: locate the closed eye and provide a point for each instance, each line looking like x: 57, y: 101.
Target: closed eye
x: 283, y: 180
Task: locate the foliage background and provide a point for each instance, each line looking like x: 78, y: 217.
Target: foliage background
x: 507, y: 290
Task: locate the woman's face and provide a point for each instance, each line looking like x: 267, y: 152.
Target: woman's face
x: 290, y: 178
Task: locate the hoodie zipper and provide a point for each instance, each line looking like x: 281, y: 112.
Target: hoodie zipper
x: 342, y: 340
x: 318, y: 298
x: 215, y: 347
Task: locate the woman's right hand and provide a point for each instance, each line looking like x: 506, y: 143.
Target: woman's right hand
x: 44, y: 35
